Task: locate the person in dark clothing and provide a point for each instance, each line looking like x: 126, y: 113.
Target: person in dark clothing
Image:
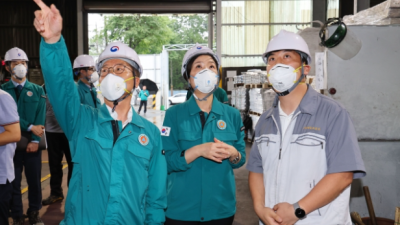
x: 143, y: 95
x: 57, y: 147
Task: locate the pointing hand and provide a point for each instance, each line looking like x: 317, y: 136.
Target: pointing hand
x: 48, y: 22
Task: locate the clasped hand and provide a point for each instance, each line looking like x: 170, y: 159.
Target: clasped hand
x: 217, y: 150
x: 280, y: 214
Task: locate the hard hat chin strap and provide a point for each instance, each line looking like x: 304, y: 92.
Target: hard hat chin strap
x: 294, y: 86
x: 205, y: 98
x: 17, y: 77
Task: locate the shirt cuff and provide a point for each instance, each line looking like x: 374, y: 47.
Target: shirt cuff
x: 29, y: 128
x: 34, y: 141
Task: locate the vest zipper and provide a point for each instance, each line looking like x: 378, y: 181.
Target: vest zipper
x: 280, y: 152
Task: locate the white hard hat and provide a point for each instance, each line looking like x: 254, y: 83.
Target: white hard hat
x: 84, y: 61
x: 15, y: 54
x: 287, y: 40
x: 119, y: 50
x: 196, y: 51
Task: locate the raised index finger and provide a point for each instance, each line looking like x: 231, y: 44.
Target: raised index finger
x: 41, y: 4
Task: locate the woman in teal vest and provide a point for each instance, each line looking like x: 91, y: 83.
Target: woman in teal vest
x: 203, y: 141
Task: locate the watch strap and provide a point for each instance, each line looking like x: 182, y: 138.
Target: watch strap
x: 235, y: 160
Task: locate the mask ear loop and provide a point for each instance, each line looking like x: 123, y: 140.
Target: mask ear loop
x: 115, y: 103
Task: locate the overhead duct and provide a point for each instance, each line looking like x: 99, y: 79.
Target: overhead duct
x: 148, y: 7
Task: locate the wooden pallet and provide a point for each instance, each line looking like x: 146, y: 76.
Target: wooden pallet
x: 263, y: 86
x: 239, y: 85
x: 255, y: 113
x: 255, y: 85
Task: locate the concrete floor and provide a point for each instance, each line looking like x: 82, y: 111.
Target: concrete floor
x: 53, y: 214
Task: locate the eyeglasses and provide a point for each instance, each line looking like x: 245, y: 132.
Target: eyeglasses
x: 117, y: 69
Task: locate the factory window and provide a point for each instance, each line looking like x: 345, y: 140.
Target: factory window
x: 247, y: 26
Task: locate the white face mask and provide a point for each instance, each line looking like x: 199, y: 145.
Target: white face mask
x: 20, y: 71
x: 113, y: 87
x: 93, y: 78
x: 206, y: 81
x: 282, y: 77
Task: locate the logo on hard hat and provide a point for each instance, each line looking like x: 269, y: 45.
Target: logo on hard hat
x: 114, y: 48
x: 199, y: 47
x: 19, y: 54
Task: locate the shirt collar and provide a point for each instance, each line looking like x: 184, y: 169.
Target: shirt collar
x: 16, y: 84
x: 105, y: 115
x: 194, y: 108
x: 308, y: 104
x: 282, y: 113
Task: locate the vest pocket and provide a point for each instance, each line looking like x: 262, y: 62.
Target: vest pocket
x: 309, y: 141
x: 227, y: 137
x: 188, y: 139
x: 103, y: 142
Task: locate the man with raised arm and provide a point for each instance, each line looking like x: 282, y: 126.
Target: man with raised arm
x: 119, y: 174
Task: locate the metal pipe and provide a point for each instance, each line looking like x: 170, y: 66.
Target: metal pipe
x: 355, y: 6
x: 219, y: 27
x: 257, y: 24
x: 80, y: 27
x: 210, y: 30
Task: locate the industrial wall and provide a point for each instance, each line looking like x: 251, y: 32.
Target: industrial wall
x: 17, y: 30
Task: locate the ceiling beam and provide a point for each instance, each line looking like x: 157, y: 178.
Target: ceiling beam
x: 148, y: 7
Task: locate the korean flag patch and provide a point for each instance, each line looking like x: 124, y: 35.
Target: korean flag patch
x: 165, y: 131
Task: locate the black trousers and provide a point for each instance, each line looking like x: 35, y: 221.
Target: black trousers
x: 226, y: 221
x: 5, y: 198
x: 32, y: 163
x: 144, y: 103
x: 57, y: 146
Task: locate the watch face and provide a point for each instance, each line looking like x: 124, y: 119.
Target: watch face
x: 300, y: 213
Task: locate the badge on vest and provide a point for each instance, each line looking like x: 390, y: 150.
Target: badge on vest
x: 165, y: 131
x: 29, y: 93
x: 221, y: 124
x: 143, y: 139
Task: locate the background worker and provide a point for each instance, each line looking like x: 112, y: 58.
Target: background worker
x: 31, y: 103
x: 57, y: 147
x: 85, y: 69
x: 143, y: 94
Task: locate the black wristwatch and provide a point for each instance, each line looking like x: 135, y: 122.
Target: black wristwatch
x: 299, y: 212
